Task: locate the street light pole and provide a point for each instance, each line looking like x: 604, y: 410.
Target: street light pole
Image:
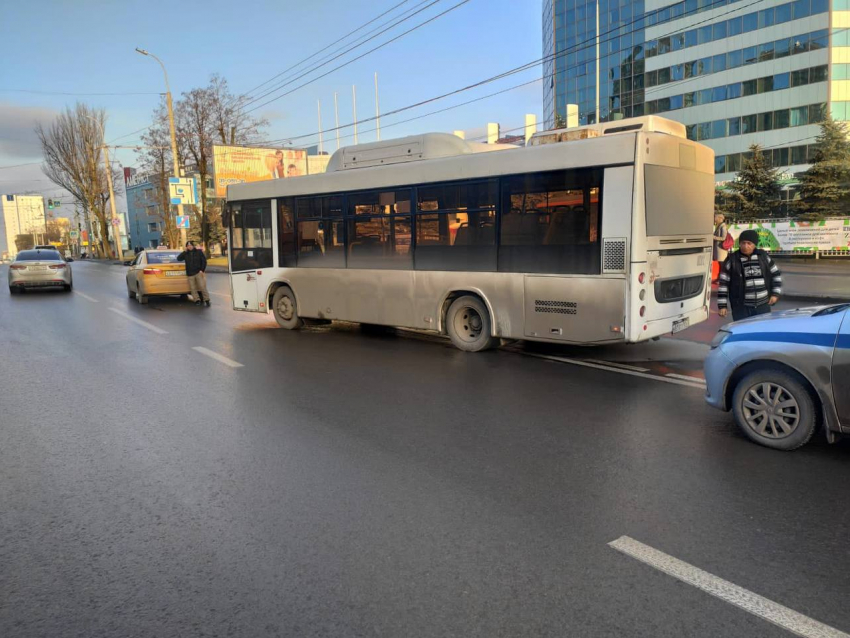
x: 183, y: 232
x: 116, y: 221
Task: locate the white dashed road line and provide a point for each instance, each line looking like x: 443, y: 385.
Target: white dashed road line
x: 218, y: 357
x: 724, y: 590
x: 615, y: 364
x: 685, y: 377
x: 85, y: 296
x: 144, y: 324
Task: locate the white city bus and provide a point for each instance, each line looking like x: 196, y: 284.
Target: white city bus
x: 595, y: 235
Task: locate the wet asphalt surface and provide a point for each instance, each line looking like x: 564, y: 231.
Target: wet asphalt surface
x: 352, y: 483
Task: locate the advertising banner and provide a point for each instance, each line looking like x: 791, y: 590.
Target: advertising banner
x: 238, y: 164
x: 790, y: 235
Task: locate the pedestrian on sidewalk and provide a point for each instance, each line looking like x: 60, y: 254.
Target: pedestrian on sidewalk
x: 721, y: 246
x: 196, y: 268
x: 750, y: 281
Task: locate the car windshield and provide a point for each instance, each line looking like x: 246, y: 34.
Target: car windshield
x: 162, y: 258
x: 831, y: 310
x: 38, y: 255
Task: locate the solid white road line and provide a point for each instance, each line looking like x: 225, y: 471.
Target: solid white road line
x: 634, y: 373
x: 85, y: 296
x: 145, y: 324
x: 218, y: 357
x: 685, y: 377
x: 726, y: 591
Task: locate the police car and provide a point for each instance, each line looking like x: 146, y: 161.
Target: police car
x: 784, y: 375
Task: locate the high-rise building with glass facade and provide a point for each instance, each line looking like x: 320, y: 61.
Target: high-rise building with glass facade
x: 735, y: 73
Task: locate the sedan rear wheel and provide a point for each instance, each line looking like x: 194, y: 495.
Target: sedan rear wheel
x: 774, y: 409
x: 142, y: 299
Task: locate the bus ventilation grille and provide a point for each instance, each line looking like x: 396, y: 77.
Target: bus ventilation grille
x: 559, y: 307
x: 614, y: 255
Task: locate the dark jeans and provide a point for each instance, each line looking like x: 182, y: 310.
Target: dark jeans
x: 749, y: 311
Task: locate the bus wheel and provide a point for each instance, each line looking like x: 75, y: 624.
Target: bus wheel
x: 285, y: 310
x: 468, y: 324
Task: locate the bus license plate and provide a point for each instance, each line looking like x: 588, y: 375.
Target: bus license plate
x: 680, y: 325
x: 174, y: 273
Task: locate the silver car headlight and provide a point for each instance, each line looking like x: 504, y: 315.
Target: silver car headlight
x: 719, y: 338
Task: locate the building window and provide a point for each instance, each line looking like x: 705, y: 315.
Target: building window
x: 153, y: 227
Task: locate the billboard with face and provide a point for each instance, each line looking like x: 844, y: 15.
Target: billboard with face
x: 238, y: 164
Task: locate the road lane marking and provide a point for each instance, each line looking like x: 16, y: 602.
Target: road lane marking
x: 672, y: 375
x: 85, y: 296
x: 144, y: 324
x: 615, y: 364
x: 597, y: 366
x: 218, y: 357
x: 220, y: 294
x: 728, y: 592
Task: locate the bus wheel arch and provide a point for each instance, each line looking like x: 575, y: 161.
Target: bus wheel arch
x: 284, y: 307
x: 467, y: 318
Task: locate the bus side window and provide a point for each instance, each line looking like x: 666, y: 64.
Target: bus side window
x: 286, y: 232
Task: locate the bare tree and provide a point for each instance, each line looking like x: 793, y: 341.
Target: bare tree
x: 206, y: 117
x: 155, y: 160
x: 72, y: 147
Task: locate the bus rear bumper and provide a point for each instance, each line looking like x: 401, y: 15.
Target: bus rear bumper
x: 669, y: 325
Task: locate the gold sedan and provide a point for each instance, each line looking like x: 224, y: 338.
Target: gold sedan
x: 155, y: 273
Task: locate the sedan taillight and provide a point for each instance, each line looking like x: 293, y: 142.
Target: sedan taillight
x: 151, y: 271
x: 57, y: 266
x: 14, y: 267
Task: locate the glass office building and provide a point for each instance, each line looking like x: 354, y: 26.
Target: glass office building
x: 734, y: 73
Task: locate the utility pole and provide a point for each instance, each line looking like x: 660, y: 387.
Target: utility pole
x: 336, y: 115
x: 321, y: 144
x: 116, y: 221
x: 354, y: 104
x: 377, y: 109
x: 183, y: 231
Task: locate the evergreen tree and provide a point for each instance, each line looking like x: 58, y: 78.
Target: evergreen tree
x: 756, y: 190
x: 825, y: 187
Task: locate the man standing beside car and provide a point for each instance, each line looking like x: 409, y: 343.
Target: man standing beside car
x: 196, y: 267
x: 750, y: 281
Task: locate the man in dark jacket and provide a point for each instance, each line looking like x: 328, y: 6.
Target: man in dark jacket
x: 196, y: 267
x: 750, y: 281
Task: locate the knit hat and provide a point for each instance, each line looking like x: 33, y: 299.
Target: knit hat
x: 749, y: 235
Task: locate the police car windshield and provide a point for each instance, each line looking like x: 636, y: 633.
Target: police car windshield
x: 831, y: 310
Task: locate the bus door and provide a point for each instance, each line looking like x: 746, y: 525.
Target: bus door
x: 250, y: 251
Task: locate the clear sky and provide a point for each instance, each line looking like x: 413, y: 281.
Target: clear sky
x: 53, y: 48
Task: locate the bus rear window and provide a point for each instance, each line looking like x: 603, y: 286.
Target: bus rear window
x: 678, y: 201
x: 162, y: 258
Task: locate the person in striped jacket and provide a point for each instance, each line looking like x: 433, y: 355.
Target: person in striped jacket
x: 750, y: 281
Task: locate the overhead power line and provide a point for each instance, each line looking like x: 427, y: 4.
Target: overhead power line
x: 70, y: 93
x: 313, y: 55
x: 361, y: 56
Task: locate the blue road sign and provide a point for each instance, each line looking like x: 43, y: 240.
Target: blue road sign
x: 182, y: 221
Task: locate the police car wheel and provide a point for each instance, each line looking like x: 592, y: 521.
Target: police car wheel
x: 775, y: 409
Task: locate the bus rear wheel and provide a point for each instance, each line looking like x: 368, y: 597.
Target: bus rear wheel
x: 468, y: 324
x: 285, y: 309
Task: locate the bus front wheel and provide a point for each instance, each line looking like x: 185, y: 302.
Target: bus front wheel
x: 285, y: 309
x: 468, y: 324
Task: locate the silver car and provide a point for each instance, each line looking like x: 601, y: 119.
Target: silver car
x: 39, y: 269
x: 783, y: 375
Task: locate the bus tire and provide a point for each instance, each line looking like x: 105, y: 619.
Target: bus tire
x: 285, y: 309
x: 468, y: 324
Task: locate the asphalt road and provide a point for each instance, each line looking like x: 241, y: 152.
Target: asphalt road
x: 347, y: 483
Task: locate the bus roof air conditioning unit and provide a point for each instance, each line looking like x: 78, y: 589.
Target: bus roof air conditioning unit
x: 406, y: 149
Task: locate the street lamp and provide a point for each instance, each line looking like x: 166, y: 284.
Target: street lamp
x: 116, y: 222
x: 183, y: 234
